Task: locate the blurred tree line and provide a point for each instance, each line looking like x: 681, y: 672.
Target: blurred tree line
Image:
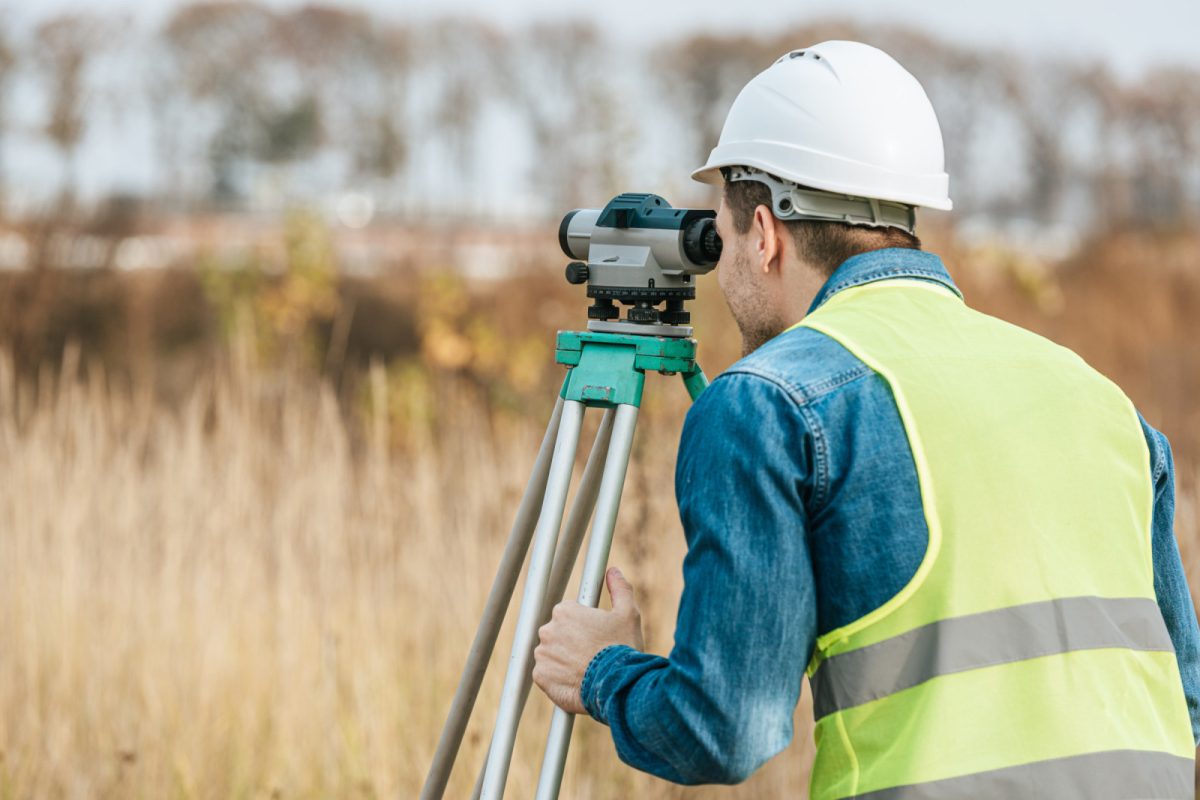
x: 327, y: 99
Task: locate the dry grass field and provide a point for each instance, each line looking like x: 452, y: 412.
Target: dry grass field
x: 263, y: 583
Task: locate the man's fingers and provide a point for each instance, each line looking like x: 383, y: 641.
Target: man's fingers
x: 621, y: 592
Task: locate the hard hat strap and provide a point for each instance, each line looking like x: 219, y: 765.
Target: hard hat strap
x: 791, y: 201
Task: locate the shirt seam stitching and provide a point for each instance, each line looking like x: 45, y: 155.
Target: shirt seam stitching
x: 811, y: 420
x: 1158, y: 460
x: 806, y: 393
x: 590, y: 681
x: 871, y: 277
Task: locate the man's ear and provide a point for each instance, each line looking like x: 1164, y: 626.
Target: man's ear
x: 768, y: 235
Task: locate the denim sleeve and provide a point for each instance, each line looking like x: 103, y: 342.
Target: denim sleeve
x: 722, y: 703
x: 1170, y: 581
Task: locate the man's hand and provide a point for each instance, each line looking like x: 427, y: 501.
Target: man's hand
x: 575, y: 633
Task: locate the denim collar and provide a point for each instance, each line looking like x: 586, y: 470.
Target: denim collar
x: 877, y: 265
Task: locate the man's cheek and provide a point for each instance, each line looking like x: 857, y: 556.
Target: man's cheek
x: 726, y: 269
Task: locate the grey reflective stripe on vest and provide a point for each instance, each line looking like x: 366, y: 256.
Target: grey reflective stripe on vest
x: 983, y: 640
x: 1111, y: 775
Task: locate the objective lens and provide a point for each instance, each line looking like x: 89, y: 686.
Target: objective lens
x: 564, y: 228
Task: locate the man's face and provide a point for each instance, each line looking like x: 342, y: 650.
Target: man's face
x: 741, y: 279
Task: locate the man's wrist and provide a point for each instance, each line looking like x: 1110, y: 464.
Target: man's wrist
x: 592, y: 688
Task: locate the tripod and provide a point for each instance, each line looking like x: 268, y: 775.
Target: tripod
x: 607, y: 368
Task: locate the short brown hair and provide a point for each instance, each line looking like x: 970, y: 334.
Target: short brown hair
x: 823, y: 244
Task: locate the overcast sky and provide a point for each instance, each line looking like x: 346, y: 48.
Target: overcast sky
x: 1133, y: 36
x: 1159, y: 32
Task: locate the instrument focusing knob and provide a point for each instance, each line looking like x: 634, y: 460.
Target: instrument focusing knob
x: 577, y: 272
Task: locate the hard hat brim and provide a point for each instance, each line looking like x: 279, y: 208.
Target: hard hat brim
x: 817, y: 170
x: 708, y: 174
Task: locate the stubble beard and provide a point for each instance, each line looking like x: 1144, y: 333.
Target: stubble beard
x: 749, y: 308
x: 752, y: 339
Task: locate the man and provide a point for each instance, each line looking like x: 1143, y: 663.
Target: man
x: 963, y: 531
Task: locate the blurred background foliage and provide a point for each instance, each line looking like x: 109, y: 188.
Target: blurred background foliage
x: 342, y: 187
x: 243, y: 106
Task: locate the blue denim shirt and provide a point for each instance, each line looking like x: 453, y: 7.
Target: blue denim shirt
x: 802, y: 512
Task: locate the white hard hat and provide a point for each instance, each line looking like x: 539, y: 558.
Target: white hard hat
x: 842, y: 117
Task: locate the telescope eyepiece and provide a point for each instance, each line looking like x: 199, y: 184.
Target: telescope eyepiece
x: 701, y: 242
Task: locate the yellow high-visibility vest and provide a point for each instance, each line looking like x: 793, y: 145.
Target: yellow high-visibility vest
x: 1027, y: 657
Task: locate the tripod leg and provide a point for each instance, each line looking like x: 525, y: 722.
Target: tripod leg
x: 695, y: 381
x: 594, y: 566
x: 577, y: 520
x: 493, y: 616
x: 568, y: 547
x: 545, y: 539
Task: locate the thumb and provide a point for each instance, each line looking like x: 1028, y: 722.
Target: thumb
x: 620, y: 591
